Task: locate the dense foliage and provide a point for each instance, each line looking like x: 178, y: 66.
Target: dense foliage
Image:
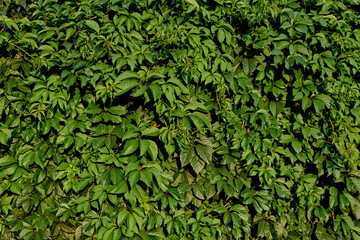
x: 209, y: 119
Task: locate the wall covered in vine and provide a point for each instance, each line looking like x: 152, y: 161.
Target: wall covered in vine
x: 179, y: 119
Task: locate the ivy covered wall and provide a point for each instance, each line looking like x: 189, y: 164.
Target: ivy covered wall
x: 179, y: 119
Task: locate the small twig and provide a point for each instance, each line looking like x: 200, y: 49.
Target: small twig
x: 101, y: 212
x: 14, y: 45
x: 226, y: 203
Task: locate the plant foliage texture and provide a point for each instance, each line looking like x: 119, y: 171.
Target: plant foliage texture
x: 179, y: 119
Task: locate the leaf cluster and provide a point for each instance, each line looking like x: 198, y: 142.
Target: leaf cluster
x: 189, y: 119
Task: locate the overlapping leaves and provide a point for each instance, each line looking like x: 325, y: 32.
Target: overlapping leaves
x: 179, y: 119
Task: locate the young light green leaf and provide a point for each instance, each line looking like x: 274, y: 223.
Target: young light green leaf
x: 153, y: 149
x: 193, y: 2
x: 93, y: 25
x: 150, y: 132
x: 69, y: 33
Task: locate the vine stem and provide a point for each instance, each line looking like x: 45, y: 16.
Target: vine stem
x: 226, y: 203
x: 102, y: 209
x: 14, y: 45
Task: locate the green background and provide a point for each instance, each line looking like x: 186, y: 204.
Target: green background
x: 179, y: 119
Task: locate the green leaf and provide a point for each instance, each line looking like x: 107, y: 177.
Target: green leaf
x: 221, y: 35
x: 144, y: 146
x: 306, y: 131
x: 127, y: 75
x: 204, y: 119
x: 146, y: 177
x: 204, y: 152
x: 78, y: 233
x: 197, y: 164
x: 7, y: 160
x: 122, y: 216
x: 131, y: 146
x: 46, y: 48
x: 117, y: 110
x: 131, y: 167
x: 325, y: 99
x: 316, y: 133
x: 131, y: 223
x: 276, y: 107
x: 301, y: 28
x: 27, y: 159
x: 16, y: 188
x: 134, y: 177
x: 39, y: 160
x: 356, y: 182
x: 109, y: 234
x: 120, y: 187
x: 177, y: 82
x: 286, y: 138
x: 126, y: 85
x: 150, y: 132
x: 69, y: 140
x: 306, y: 103
x: 5, y: 135
x: 318, y: 105
x: 2, y: 104
x: 186, y: 156
x: 155, y: 90
x: 153, y: 149
x: 194, y: 105
x: 333, y: 201
x: 310, y: 178
x: 281, y: 45
x: 198, y: 190
x: 93, y: 25
x: 69, y: 33
x: 175, y: 193
x: 249, y: 65
x: 193, y: 2
x: 297, y: 146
